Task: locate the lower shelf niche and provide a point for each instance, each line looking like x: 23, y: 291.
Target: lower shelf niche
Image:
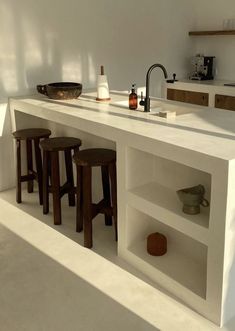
x: 185, y: 261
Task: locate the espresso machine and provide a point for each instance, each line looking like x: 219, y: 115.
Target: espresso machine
x: 203, y: 67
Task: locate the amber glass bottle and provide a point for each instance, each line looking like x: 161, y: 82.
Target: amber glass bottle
x: 133, y: 98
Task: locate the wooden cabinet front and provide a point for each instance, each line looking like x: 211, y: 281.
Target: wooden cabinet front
x: 196, y: 98
x: 224, y: 102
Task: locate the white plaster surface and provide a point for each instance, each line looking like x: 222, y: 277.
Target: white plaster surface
x: 196, y: 147
x: 51, y: 283
x: 197, y: 129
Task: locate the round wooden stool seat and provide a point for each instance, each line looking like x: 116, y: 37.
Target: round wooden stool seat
x: 60, y: 144
x: 31, y: 133
x: 94, y: 157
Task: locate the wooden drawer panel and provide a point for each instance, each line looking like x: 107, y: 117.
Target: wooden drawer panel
x: 196, y: 98
x: 224, y: 102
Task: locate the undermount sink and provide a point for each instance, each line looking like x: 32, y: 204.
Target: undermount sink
x: 157, y: 106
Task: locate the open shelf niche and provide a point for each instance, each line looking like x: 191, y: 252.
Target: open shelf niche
x: 185, y: 261
x: 152, y: 183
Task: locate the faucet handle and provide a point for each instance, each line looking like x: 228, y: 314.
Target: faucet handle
x: 172, y: 80
x: 142, y: 103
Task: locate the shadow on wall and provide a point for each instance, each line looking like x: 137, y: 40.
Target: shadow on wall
x: 41, y: 45
x: 69, y: 41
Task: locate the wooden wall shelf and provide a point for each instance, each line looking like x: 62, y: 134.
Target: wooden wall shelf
x: 212, y: 33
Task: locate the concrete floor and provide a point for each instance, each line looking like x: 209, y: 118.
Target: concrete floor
x: 50, y: 282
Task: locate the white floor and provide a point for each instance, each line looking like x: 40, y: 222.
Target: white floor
x: 50, y: 282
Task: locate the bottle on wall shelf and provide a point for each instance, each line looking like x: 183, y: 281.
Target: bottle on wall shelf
x: 102, y: 86
x: 133, y: 98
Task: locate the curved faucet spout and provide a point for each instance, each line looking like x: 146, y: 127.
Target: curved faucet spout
x: 147, y: 99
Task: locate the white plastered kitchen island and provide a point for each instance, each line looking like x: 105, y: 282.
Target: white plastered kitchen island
x: 156, y: 157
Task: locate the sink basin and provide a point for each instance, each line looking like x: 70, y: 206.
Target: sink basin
x: 155, y: 106
x: 158, y: 106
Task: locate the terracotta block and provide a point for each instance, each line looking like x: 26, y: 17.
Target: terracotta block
x: 156, y: 244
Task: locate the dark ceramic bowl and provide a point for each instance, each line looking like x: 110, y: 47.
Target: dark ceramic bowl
x: 61, y: 91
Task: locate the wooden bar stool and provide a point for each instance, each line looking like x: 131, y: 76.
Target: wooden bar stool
x: 86, y: 210
x: 51, y: 148
x: 29, y: 135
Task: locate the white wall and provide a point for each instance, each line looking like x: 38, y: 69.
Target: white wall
x: 45, y: 41
x: 210, y: 15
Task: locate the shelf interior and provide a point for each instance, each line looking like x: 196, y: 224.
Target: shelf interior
x: 167, y: 198
x: 156, y: 180
x: 185, y: 261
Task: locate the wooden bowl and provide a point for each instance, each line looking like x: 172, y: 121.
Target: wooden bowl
x: 61, y: 90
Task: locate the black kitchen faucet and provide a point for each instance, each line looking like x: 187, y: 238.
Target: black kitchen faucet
x: 146, y: 101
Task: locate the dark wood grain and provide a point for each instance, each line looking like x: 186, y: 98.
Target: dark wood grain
x: 46, y: 171
x: 86, y: 209
x: 69, y: 174
x: 87, y: 204
x: 79, y: 209
x: 60, y: 144
x: 18, y: 171
x: 196, y: 98
x: 51, y: 148
x: 106, y: 192
x: 29, y: 135
x: 212, y: 33
x: 55, y: 187
x: 38, y: 158
x: 225, y: 102
x: 94, y: 157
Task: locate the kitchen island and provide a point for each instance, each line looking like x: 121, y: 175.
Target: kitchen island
x: 156, y: 157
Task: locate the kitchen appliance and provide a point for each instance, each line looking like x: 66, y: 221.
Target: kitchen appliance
x: 203, y: 67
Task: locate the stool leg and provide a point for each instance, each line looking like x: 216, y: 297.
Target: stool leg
x: 18, y: 171
x: 45, y: 182
x: 55, y: 187
x: 87, y: 206
x: 113, y: 179
x: 79, y: 211
x: 38, y: 158
x: 106, y: 192
x: 29, y: 164
x: 69, y: 174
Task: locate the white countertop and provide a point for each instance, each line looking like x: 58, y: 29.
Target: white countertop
x: 212, y: 82
x: 199, y: 129
x: 210, y: 85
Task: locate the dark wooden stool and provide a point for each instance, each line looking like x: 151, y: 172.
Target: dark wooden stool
x: 51, y: 148
x: 86, y: 210
x: 29, y: 135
